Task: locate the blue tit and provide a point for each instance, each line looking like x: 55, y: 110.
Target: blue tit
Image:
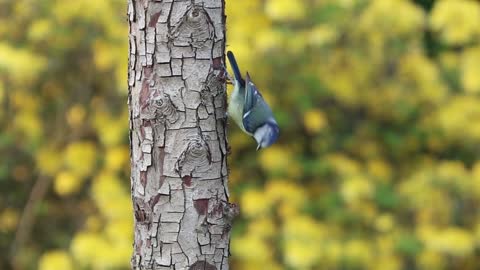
x: 249, y: 110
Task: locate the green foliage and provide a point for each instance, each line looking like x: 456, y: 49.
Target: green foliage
x: 377, y: 166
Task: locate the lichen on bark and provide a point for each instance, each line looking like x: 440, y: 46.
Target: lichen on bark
x: 177, y: 104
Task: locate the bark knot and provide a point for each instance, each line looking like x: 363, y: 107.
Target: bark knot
x: 195, y: 158
x: 194, y: 28
x: 164, y: 108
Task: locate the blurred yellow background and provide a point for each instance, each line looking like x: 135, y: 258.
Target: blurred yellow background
x: 377, y: 166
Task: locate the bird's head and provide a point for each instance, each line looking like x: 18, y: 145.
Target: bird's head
x: 266, y: 134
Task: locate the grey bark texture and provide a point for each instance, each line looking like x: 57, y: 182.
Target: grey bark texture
x: 177, y: 102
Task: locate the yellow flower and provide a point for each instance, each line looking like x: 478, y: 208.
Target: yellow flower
x: 418, y: 70
x: 268, y: 40
x: 476, y: 179
x: 471, y: 70
x: 258, y: 265
x: 386, y: 243
x: 274, y: 158
x: 48, y: 160
x: 113, y: 257
x: 333, y: 253
x: 25, y: 101
x: 321, y: 35
x: 456, y: 20
x: 67, y: 183
x: 451, y: 241
x: 251, y: 248
x: 345, y: 72
x: 110, y: 197
x: 103, y: 55
x: 117, y: 158
x: 297, y: 45
x: 379, y: 169
x: 28, y: 124
x: 55, y: 259
x: 454, y: 174
x: 67, y: 12
x: 93, y: 251
x: 303, y: 244
x: 449, y: 60
x: 355, y: 189
x: 343, y: 165
x: 111, y: 131
x: 417, y: 188
x: 392, y: 17
x: 288, y: 196
x: 22, y: 65
x: 477, y: 233
x: 314, y: 121
x: 81, y: 158
x: 76, y: 115
x: 285, y: 10
x: 458, y: 242
x: 262, y: 227
x: 120, y: 227
x: 8, y: 220
x: 456, y: 115
x: 254, y: 202
x: 429, y: 259
x: 343, y: 3
x: 121, y: 73
x: 358, y: 252
x: 389, y: 262
x: 39, y: 29
x: 384, y: 223
x: 85, y: 247
x: 300, y: 256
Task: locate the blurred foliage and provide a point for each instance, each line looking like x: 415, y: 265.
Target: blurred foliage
x: 378, y: 165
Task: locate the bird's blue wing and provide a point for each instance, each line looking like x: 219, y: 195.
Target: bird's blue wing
x: 256, y: 111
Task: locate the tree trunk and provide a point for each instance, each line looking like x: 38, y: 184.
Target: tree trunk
x: 177, y: 104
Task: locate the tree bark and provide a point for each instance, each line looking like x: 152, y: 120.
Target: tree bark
x: 177, y: 103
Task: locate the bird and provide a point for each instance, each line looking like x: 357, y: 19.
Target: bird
x: 249, y: 110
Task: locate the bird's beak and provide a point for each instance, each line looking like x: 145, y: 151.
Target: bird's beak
x: 258, y: 147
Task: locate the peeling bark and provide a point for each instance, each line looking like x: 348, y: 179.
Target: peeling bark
x: 177, y: 102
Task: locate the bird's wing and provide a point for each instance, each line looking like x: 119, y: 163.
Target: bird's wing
x: 255, y: 110
x: 252, y: 95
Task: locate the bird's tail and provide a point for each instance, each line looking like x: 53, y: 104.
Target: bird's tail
x: 234, y: 65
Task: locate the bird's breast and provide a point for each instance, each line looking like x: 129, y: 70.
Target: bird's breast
x: 235, y: 108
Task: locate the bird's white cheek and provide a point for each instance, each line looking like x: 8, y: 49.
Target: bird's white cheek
x: 260, y: 135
